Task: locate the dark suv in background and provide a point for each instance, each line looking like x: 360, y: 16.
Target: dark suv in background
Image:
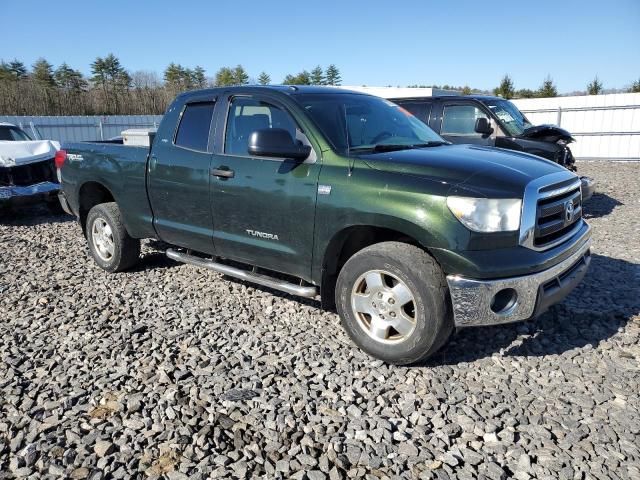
x: 495, y: 122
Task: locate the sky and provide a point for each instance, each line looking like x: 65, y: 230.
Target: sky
x: 372, y: 42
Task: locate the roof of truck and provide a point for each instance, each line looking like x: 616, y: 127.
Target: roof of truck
x: 457, y: 97
x: 287, y: 89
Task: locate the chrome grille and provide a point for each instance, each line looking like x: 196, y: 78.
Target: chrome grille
x: 557, y: 215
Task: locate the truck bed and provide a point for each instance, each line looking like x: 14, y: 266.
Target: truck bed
x: 121, y: 169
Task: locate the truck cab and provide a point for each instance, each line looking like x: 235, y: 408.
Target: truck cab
x: 494, y: 122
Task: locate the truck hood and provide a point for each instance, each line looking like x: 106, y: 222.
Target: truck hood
x: 494, y: 172
x: 21, y: 153
x: 547, y: 133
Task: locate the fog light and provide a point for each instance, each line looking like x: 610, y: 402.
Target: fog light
x: 504, y: 301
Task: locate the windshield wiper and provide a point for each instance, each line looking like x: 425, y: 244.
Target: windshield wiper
x: 389, y: 147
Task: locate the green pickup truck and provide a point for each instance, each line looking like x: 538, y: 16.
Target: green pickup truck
x: 328, y: 193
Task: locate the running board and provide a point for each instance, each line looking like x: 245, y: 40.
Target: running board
x: 277, y: 284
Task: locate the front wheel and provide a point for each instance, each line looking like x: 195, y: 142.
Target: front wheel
x: 109, y: 242
x: 393, y: 301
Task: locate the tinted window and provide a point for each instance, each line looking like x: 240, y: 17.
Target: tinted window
x: 246, y: 115
x: 356, y: 122
x: 13, y: 134
x: 420, y: 110
x: 193, y: 131
x: 460, y: 119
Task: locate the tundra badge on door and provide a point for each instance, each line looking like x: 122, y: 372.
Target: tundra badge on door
x: 268, y: 236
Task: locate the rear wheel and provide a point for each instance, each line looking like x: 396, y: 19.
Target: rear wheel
x: 111, y: 246
x: 393, y: 300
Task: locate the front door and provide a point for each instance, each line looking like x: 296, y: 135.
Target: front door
x: 263, y: 208
x: 458, y: 121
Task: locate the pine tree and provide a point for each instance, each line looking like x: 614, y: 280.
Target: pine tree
x: 240, y: 76
x: 174, y: 75
x: 42, y: 73
x: 595, y: 87
x: 17, y: 69
x: 198, y: 78
x: 225, y: 77
x: 69, y: 79
x: 317, y: 76
x: 635, y: 87
x: 264, y: 79
x: 547, y: 89
x: 332, y: 76
x: 505, y: 90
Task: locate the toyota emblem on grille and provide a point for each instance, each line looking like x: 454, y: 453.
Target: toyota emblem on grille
x: 568, y: 212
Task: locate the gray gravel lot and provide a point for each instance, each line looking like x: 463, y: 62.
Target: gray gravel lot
x: 177, y: 372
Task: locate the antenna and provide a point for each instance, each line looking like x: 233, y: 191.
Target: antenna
x: 352, y: 161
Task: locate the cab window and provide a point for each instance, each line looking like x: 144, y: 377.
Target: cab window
x: 193, y: 131
x: 460, y: 119
x: 246, y: 115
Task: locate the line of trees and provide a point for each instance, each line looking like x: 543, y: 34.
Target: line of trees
x: 111, y: 89
x: 548, y: 88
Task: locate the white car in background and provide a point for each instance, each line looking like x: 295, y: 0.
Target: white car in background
x: 27, y: 168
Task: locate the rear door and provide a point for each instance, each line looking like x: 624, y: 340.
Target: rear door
x: 456, y: 120
x: 263, y: 208
x: 178, y: 178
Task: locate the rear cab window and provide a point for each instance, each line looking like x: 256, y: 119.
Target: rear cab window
x: 195, y: 124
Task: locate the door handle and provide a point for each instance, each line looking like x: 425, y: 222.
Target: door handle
x: 152, y: 162
x: 222, y: 172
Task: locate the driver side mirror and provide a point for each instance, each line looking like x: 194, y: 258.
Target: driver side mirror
x: 483, y: 126
x: 277, y: 142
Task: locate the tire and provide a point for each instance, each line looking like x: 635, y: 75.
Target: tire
x: 386, y: 271
x: 111, y: 246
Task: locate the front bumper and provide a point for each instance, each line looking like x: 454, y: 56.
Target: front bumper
x: 12, y: 193
x: 588, y: 187
x: 519, y: 298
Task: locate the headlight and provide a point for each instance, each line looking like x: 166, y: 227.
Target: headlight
x: 487, y: 214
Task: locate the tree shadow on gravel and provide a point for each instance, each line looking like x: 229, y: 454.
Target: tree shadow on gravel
x: 596, y: 310
x: 32, y: 215
x: 600, y: 205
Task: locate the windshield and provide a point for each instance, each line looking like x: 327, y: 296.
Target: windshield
x: 13, y: 134
x: 512, y: 119
x: 353, y: 123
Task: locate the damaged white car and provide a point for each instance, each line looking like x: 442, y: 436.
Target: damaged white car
x: 27, y: 168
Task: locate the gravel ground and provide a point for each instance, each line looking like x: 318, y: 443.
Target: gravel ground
x: 171, y: 371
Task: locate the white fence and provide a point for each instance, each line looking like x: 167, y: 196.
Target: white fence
x: 606, y: 127
x: 81, y: 128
